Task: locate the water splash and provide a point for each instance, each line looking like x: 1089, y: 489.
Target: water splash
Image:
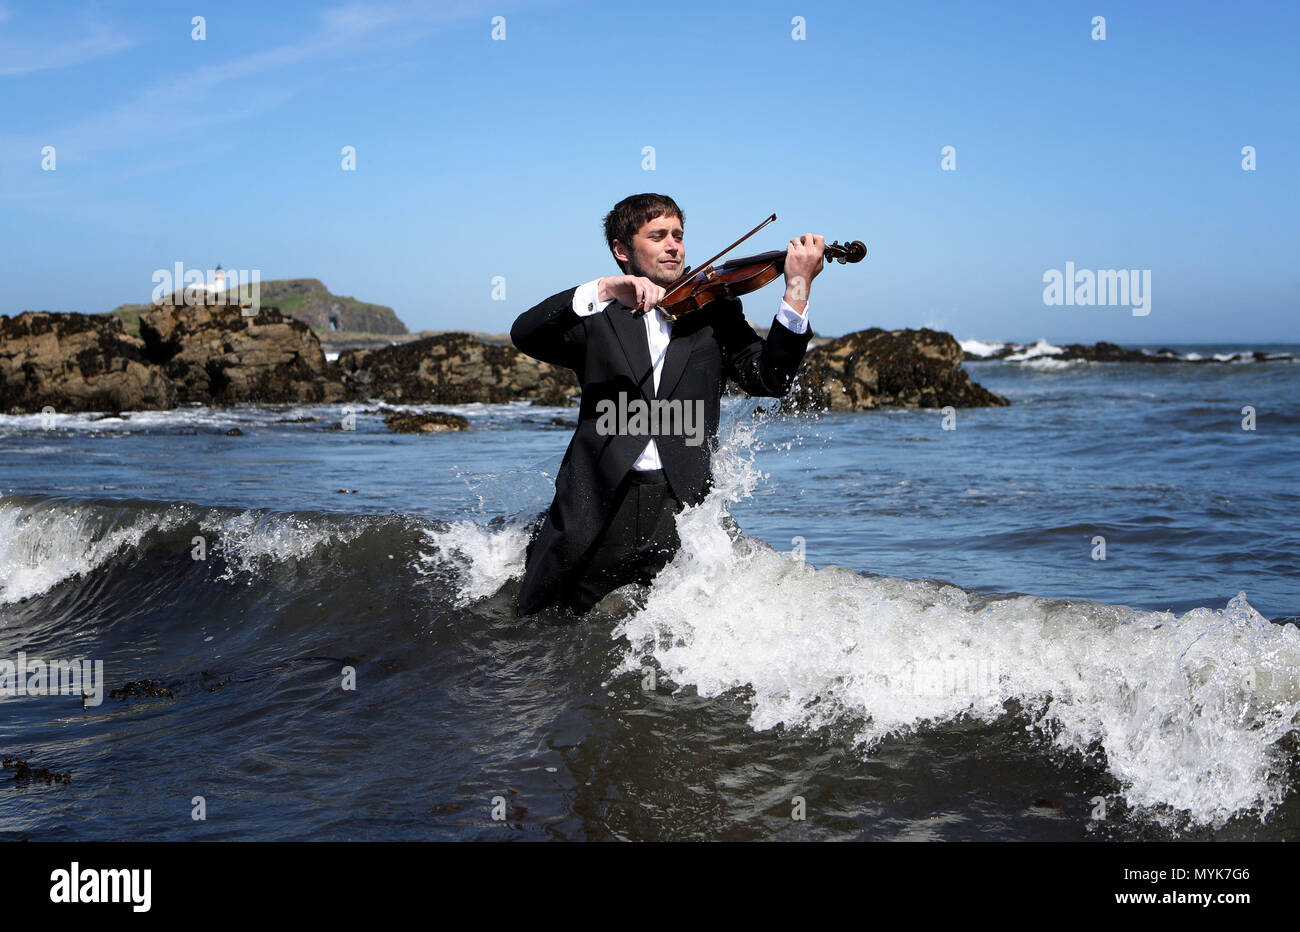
x: 1186, y: 712
x: 44, y: 543
x: 250, y: 541
x: 483, y: 559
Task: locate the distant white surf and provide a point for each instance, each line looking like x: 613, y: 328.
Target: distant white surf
x: 1017, y: 352
x: 1040, y: 348
x: 980, y: 348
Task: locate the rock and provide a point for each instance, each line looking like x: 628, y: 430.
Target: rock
x: 878, y: 368
x: 308, y: 300
x: 1108, y: 352
x: 144, y: 689
x: 434, y: 423
x: 76, y: 362
x: 455, y: 368
x: 215, y: 355
x: 1098, y: 352
x: 24, y: 771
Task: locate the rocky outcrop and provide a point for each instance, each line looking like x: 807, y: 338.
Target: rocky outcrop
x: 1098, y: 352
x: 1113, y: 352
x: 308, y: 300
x: 215, y: 355
x: 435, y: 423
x: 1110, y: 352
x: 886, y: 368
x: 455, y: 368
x: 76, y: 362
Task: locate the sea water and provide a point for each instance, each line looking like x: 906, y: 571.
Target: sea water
x: 1062, y: 619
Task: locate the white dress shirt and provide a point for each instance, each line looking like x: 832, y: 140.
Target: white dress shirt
x: 658, y: 331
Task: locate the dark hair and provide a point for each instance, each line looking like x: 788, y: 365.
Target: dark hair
x: 632, y: 213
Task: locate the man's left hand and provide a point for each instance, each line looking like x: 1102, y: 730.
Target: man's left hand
x: 803, y: 263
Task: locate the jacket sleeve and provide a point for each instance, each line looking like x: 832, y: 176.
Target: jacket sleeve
x: 760, y: 367
x: 552, y: 331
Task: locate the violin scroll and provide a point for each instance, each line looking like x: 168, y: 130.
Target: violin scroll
x: 855, y: 251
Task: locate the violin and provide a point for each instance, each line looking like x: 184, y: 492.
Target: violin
x: 695, y: 288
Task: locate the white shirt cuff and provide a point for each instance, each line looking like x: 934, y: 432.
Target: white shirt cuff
x: 791, y: 319
x: 586, y: 299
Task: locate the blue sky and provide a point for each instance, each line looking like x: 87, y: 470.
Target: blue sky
x: 478, y: 158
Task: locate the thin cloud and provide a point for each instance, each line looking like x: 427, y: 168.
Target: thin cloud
x: 192, y: 93
x: 30, y: 57
x: 200, y: 97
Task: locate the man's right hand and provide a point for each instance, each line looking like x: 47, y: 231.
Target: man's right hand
x: 636, y: 292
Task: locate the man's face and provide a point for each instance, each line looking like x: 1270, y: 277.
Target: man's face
x: 657, y: 251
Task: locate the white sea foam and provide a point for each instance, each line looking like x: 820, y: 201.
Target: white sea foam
x: 220, y: 419
x: 43, y: 545
x: 485, y: 559
x: 249, y: 540
x: 40, y: 548
x: 1040, y: 348
x: 980, y: 348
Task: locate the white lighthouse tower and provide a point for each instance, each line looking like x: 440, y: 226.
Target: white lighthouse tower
x: 218, y: 283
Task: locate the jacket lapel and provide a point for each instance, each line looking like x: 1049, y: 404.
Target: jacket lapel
x: 630, y: 330
x: 679, y: 350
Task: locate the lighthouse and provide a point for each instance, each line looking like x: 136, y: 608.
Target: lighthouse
x: 217, y: 283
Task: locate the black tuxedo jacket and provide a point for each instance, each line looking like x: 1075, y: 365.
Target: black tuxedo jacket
x: 610, y: 353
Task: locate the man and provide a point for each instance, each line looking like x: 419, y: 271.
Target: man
x: 651, y: 392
